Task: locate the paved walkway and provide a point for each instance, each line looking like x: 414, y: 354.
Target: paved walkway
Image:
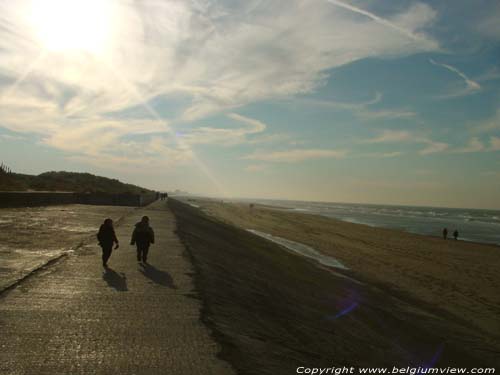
x: 73, y: 318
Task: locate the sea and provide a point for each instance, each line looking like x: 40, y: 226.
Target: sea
x: 475, y: 225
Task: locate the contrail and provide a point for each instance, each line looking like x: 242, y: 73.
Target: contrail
x: 376, y: 18
x: 471, y: 85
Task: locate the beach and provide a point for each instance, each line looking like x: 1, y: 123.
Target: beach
x: 445, y: 290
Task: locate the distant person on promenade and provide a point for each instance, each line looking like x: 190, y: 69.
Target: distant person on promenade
x: 455, y: 234
x: 107, y: 237
x: 143, y: 236
x: 445, y: 233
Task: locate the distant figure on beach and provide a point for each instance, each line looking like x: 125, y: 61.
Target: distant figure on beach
x: 445, y: 233
x: 107, y: 237
x: 455, y: 234
x: 143, y: 236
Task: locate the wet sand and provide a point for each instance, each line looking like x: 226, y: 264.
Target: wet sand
x: 32, y: 236
x: 405, y: 298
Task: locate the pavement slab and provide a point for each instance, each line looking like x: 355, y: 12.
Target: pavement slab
x: 74, y: 317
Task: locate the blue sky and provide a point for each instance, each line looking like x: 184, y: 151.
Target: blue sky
x: 347, y: 101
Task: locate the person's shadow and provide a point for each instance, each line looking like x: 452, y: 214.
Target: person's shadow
x: 157, y: 276
x: 115, y: 280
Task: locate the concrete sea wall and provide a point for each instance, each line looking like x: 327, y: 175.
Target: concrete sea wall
x: 31, y: 199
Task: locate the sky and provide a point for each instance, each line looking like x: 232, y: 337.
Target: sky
x: 367, y: 101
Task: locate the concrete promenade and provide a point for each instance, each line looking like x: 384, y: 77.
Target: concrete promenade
x: 74, y: 318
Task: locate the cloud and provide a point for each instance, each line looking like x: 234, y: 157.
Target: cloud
x: 403, y: 136
x: 361, y: 109
x: 470, y: 85
x: 433, y: 147
x: 390, y: 136
x: 9, y: 137
x: 489, y: 125
x: 216, y: 56
x: 256, y: 167
x: 474, y: 145
x: 224, y: 136
x: 419, y: 11
x: 492, y: 74
x: 385, y: 114
x: 332, y: 104
x: 291, y: 156
x: 489, y: 25
x: 382, y: 154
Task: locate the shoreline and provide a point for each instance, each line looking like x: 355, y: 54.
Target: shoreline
x: 429, y: 236
x: 272, y: 310
x: 355, y: 222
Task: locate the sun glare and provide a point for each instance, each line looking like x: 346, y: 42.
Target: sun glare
x: 62, y: 25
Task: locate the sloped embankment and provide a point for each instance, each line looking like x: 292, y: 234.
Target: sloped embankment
x: 273, y: 311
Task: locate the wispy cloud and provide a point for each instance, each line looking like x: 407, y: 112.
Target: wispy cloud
x: 385, y: 114
x: 256, y: 167
x: 433, y: 147
x: 418, y: 9
x: 470, y: 85
x: 333, y: 104
x: 474, y: 145
x: 362, y: 110
x: 390, y: 136
x: 291, y: 156
x: 382, y: 155
x: 9, y: 137
x: 489, y: 125
x: 224, y: 136
x: 218, y: 57
x: 404, y: 136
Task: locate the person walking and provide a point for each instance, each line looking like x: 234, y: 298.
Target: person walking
x: 143, y: 236
x: 445, y: 233
x: 107, y: 237
x: 455, y: 234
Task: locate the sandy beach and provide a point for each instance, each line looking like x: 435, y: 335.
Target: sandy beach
x: 451, y: 286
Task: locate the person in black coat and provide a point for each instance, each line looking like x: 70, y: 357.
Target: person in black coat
x: 143, y: 236
x: 107, y: 237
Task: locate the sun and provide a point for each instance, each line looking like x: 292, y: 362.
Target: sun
x: 62, y: 25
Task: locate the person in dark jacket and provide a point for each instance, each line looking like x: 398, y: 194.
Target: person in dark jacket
x: 143, y: 236
x: 107, y: 237
x: 455, y: 234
